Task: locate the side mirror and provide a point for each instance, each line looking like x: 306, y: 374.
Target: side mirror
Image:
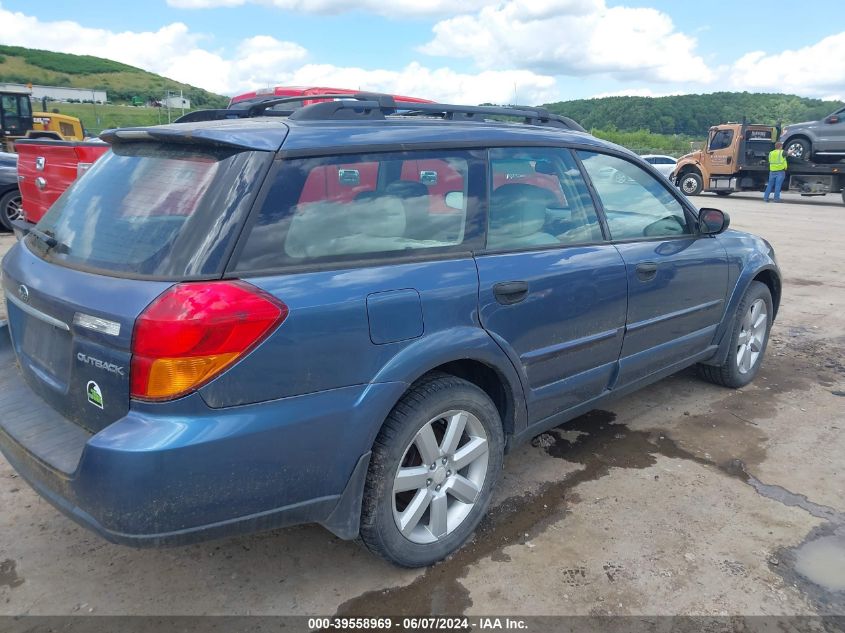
x: 712, y: 221
x: 832, y: 119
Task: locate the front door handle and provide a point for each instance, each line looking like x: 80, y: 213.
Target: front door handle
x: 510, y: 292
x: 646, y: 271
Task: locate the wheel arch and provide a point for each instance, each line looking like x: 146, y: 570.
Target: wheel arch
x: 765, y: 273
x: 689, y: 167
x: 470, y: 354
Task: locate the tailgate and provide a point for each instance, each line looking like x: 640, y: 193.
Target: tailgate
x: 71, y: 332
x: 47, y: 168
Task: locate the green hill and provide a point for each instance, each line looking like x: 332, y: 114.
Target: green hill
x: 122, y: 82
x: 691, y: 115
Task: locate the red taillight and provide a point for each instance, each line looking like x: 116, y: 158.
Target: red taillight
x: 194, y: 331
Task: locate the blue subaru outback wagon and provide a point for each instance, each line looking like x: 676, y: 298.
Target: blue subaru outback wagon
x: 347, y: 313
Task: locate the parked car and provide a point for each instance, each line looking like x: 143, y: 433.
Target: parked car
x: 10, y: 195
x: 348, y: 316
x: 824, y: 139
x: 662, y: 163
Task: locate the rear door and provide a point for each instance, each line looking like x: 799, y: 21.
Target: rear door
x: 552, y: 290
x: 677, y: 280
x: 146, y: 216
x: 369, y: 266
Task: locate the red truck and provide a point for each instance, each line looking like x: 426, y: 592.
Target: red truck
x: 297, y: 91
x: 47, y: 168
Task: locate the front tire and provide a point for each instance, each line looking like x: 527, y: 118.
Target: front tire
x: 10, y: 208
x: 431, y: 477
x: 749, y: 339
x: 798, y: 149
x: 691, y: 184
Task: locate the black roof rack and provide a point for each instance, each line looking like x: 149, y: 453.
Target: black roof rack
x: 368, y: 105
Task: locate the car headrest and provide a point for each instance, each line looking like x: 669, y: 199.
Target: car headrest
x: 406, y: 189
x: 379, y: 217
x: 519, y: 209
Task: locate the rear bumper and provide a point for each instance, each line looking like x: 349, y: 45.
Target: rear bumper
x: 193, y: 473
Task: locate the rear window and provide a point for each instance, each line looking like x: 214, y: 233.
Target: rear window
x: 361, y: 207
x: 153, y: 210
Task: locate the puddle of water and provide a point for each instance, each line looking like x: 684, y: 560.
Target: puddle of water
x: 823, y: 562
x: 8, y: 574
x: 594, y: 441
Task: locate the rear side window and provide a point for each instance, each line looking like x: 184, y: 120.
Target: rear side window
x: 152, y: 210
x: 340, y: 209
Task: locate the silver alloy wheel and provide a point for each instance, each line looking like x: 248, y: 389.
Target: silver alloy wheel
x: 752, y: 335
x: 13, y: 208
x: 440, y: 476
x: 795, y: 150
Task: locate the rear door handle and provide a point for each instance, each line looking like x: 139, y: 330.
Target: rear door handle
x: 510, y: 292
x: 646, y: 271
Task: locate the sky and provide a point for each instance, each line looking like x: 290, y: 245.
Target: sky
x: 464, y: 51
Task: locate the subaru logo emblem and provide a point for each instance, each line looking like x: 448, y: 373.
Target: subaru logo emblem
x: 23, y: 291
x: 40, y: 163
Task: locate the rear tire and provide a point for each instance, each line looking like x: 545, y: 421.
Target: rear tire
x: 691, y: 184
x: 10, y: 208
x: 414, y: 514
x: 749, y: 338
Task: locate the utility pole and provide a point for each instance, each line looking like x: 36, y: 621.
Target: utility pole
x: 94, y: 105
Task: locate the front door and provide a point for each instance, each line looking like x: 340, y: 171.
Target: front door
x: 552, y: 290
x: 832, y: 133
x: 677, y: 280
x: 720, y: 152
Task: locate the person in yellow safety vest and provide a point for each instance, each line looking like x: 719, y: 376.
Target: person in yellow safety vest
x: 777, y: 172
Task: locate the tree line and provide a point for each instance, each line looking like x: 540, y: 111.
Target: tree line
x: 691, y: 115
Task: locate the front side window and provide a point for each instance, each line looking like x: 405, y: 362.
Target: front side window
x: 638, y: 206
x: 721, y: 139
x: 538, y: 198
x: 336, y: 209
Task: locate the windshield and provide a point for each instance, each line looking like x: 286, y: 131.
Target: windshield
x: 152, y: 210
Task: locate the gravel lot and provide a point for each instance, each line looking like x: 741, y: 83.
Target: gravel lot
x: 684, y: 498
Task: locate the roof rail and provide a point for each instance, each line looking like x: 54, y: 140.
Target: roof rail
x: 372, y: 105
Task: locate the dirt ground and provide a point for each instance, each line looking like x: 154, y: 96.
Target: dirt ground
x: 684, y: 498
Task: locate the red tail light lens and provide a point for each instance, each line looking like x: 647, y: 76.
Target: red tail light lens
x: 194, y: 331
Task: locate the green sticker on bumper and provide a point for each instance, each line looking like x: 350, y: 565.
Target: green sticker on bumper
x: 95, y: 396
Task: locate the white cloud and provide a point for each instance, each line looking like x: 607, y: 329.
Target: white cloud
x: 173, y: 51
x: 176, y: 52
x: 439, y: 84
x: 813, y: 70
x: 394, y: 8
x: 573, y: 37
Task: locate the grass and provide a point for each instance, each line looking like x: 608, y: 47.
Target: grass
x: 645, y: 142
x: 97, y: 118
x: 121, y: 82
